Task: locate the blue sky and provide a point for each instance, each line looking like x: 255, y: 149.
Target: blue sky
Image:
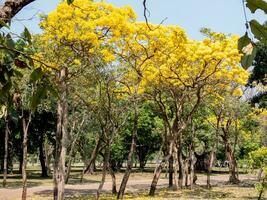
x: 220, y: 15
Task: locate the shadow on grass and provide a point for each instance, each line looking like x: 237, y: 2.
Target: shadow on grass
x: 18, y: 184
x: 71, y: 193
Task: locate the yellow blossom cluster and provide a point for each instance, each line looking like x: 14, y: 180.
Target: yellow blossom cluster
x: 88, y: 26
x: 154, y: 55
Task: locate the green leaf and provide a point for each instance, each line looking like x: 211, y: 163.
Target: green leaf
x: 9, y: 41
x: 243, y: 42
x: 254, y: 5
x: 27, y: 35
x: 259, y: 31
x: 69, y: 2
x: 6, y: 88
x: 247, y: 59
x: 36, y: 75
x: 37, y: 97
x: 18, y: 73
x: 4, y: 24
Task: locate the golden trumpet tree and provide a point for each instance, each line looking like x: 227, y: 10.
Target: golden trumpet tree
x: 78, y: 36
x: 186, y: 74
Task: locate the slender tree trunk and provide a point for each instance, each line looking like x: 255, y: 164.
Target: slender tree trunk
x: 61, y: 138
x: 130, y: 156
x: 158, y: 170
x: 171, y: 172
x: 186, y: 171
x: 6, y: 151
x: 192, y: 170
x: 175, y: 158
x: 104, y: 172
x: 262, y: 189
x: 42, y: 157
x: 113, y: 178
x: 71, y: 156
x: 231, y: 159
x: 180, y: 162
x: 47, y: 157
x: 25, y: 126
x: 259, y: 174
x: 232, y: 165
x: 156, y: 176
x: 81, y: 180
x: 211, y: 160
x: 93, y: 156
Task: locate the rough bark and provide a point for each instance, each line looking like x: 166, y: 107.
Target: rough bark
x: 192, y: 167
x: 47, y: 157
x: 210, y: 164
x: 11, y: 8
x: 180, y: 162
x: 93, y: 156
x: 171, y: 172
x: 25, y: 126
x: 175, y: 158
x: 61, y: 138
x: 113, y: 178
x: 130, y: 156
x: 42, y: 157
x: 158, y: 170
x: 232, y: 165
x: 104, y: 171
x: 71, y: 156
x: 231, y: 158
x: 5, y: 170
x: 186, y: 171
x: 156, y: 176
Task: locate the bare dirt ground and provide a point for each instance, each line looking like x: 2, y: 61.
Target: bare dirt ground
x: 138, y: 183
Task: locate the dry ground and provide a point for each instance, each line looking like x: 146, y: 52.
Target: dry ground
x: 138, y: 185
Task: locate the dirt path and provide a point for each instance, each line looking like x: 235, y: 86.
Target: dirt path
x: 135, y: 183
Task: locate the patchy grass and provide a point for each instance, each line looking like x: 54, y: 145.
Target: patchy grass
x: 138, y: 190
x: 224, y: 193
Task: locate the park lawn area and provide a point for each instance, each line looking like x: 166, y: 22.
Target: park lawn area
x: 220, y: 190
x: 226, y: 192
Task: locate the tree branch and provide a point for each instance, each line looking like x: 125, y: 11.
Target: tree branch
x: 11, y: 8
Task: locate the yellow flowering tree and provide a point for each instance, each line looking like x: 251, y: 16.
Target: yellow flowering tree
x: 186, y: 76
x: 78, y: 36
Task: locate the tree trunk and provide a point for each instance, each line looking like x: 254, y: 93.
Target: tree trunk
x: 93, y: 156
x: 175, y: 158
x: 232, y: 166
x: 130, y: 156
x: 231, y: 159
x: 42, y: 157
x: 61, y: 138
x: 157, y: 173
x: 186, y: 171
x: 104, y: 172
x: 171, y: 172
x: 71, y: 156
x: 259, y: 174
x: 180, y: 162
x: 25, y: 126
x: 6, y: 152
x: 47, y: 157
x: 69, y: 167
x: 159, y: 168
x: 113, y: 178
x: 211, y: 160
x: 192, y: 168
